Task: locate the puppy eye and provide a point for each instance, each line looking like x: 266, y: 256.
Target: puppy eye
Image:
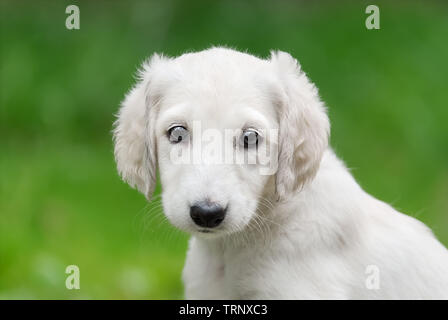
x: 177, y: 134
x: 249, y: 139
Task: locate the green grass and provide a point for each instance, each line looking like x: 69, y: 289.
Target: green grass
x: 61, y: 200
x: 64, y: 204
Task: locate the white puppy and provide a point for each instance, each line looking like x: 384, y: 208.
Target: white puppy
x: 304, y: 231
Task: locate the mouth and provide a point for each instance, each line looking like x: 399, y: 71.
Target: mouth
x: 208, y: 232
x: 205, y: 231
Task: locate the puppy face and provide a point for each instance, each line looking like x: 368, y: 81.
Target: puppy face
x: 219, y: 128
x: 224, y: 129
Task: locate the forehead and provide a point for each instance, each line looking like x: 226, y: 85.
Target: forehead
x: 220, y: 99
x: 220, y: 114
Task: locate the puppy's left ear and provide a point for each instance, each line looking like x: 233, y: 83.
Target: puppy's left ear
x: 304, y: 126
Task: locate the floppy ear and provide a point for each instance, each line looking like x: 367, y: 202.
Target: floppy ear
x: 304, y: 126
x: 134, y: 137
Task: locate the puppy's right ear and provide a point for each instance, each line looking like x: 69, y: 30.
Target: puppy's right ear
x: 133, y: 134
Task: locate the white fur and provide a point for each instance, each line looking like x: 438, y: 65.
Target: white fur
x: 307, y: 232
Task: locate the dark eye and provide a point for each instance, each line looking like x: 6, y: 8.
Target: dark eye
x: 249, y: 139
x: 177, y: 134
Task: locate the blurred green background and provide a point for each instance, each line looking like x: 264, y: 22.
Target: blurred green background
x: 61, y: 200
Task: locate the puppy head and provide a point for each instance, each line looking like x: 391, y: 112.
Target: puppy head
x: 212, y: 122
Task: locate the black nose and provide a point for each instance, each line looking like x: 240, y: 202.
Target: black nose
x: 207, y: 214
